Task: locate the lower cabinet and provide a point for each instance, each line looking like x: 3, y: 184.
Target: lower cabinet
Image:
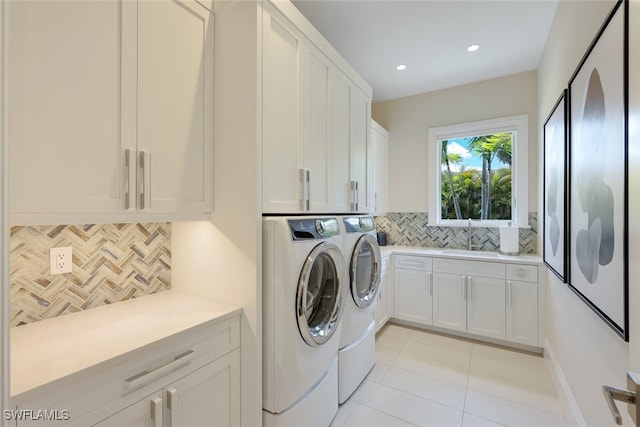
x: 413, y: 289
x: 207, y: 396
x: 384, y: 305
x: 189, y: 379
x: 487, y: 299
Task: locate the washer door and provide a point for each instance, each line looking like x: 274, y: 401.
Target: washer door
x: 365, y: 271
x: 319, y: 295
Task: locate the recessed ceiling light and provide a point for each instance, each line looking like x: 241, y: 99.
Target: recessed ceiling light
x: 473, y: 47
x: 401, y: 67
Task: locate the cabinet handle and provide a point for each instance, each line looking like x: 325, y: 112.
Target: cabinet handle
x: 354, y: 196
x: 172, y: 406
x: 305, y: 185
x: 156, y: 412
x: 308, y: 176
x: 375, y: 201
x: 509, y: 302
x: 430, y: 284
x: 464, y: 288
x: 145, y: 377
x: 145, y: 185
x: 469, y: 285
x: 129, y: 195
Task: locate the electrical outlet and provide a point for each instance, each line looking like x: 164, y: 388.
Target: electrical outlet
x: 60, y: 260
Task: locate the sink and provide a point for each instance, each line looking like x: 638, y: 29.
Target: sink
x: 475, y: 254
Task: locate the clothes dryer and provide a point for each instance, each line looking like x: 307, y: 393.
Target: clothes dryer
x: 304, y: 276
x: 356, y: 355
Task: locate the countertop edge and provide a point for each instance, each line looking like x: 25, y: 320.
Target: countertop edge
x: 438, y: 252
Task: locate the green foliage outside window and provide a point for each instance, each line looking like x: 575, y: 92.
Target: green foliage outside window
x: 482, y: 191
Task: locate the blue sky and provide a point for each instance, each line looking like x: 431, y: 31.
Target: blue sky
x: 461, y: 146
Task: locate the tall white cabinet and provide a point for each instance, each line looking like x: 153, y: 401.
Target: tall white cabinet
x: 380, y: 168
x: 111, y: 109
x: 316, y: 149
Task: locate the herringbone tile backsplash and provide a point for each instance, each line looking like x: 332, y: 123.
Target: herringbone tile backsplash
x: 412, y: 229
x: 111, y: 263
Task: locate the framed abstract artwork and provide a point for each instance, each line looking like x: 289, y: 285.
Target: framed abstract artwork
x: 555, y: 189
x: 598, y: 173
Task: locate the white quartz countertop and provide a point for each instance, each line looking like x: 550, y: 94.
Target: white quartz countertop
x: 461, y: 254
x: 51, y: 349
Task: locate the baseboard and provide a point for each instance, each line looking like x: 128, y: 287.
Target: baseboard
x: 565, y: 395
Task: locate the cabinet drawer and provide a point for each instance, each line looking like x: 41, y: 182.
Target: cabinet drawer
x: 523, y: 273
x: 413, y: 262
x: 98, y: 387
x: 471, y: 268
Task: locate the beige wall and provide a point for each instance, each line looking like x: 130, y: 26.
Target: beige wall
x: 588, y: 352
x: 408, y: 120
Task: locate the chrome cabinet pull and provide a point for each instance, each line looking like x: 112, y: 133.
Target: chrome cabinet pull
x: 145, y: 180
x: 156, y: 412
x: 172, y: 406
x: 469, y: 286
x: 354, y: 196
x: 145, y: 377
x: 509, y: 302
x: 129, y: 195
x: 304, y: 176
x: 464, y: 288
x: 430, y: 284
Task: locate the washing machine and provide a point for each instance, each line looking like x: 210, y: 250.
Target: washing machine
x: 357, y: 352
x: 304, y: 277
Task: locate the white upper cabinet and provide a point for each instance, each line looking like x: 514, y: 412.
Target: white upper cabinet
x: 315, y: 140
x: 360, y: 151
x: 93, y: 86
x: 380, y: 168
x: 284, y: 177
x: 175, y: 105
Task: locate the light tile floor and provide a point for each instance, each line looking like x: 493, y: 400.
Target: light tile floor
x: 427, y: 379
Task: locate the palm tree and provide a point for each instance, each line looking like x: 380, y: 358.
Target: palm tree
x: 447, y: 159
x: 489, y: 147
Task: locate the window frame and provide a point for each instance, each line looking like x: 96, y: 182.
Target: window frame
x: 519, y: 125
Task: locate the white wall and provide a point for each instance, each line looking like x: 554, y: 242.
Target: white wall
x: 4, y: 235
x: 408, y: 120
x: 588, y: 352
x: 222, y: 259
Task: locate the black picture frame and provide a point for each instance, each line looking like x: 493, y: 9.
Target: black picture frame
x: 554, y: 217
x: 598, y: 173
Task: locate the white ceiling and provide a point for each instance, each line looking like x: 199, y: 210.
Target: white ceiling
x: 431, y: 37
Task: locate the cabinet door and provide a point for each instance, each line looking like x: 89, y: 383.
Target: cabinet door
x: 380, y: 168
x: 209, y: 396
x: 360, y: 149
x: 147, y: 412
x: 340, y: 135
x: 486, y: 307
x: 175, y: 105
x: 317, y: 148
x: 522, y: 312
x: 382, y: 306
x: 449, y: 301
x: 413, y: 294
x: 71, y: 101
x: 281, y: 100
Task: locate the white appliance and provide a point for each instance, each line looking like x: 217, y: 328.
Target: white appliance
x: 356, y: 355
x: 304, y: 275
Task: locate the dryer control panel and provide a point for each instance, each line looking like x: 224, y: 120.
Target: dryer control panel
x: 313, y: 228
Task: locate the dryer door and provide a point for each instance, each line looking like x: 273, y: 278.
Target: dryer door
x: 365, y: 271
x: 319, y: 294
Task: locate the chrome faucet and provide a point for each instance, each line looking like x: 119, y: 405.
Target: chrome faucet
x: 470, y: 247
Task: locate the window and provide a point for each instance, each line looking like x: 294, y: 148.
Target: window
x: 479, y: 170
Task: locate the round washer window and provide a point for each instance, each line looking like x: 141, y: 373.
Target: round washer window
x: 365, y: 271
x: 319, y: 296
